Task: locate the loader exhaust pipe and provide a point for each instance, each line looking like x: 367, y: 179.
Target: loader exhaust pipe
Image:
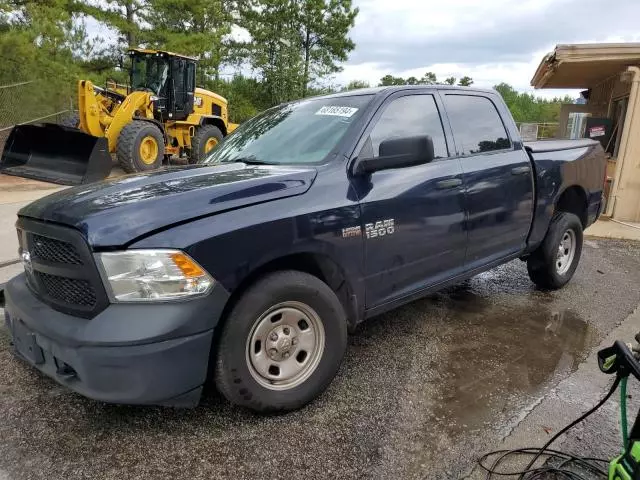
x: 57, y: 154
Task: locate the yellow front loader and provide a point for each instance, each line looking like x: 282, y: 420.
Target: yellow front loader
x: 161, y: 114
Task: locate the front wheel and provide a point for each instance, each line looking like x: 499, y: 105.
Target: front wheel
x: 140, y: 147
x: 555, y: 261
x: 282, y: 343
x: 205, y: 139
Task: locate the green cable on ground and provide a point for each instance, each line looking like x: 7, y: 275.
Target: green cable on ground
x: 623, y: 412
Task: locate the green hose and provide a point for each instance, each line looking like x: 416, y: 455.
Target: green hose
x: 623, y: 412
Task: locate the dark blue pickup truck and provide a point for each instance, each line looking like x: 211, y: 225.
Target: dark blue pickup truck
x: 250, y: 268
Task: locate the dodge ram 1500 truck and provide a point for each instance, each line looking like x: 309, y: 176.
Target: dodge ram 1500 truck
x: 250, y: 267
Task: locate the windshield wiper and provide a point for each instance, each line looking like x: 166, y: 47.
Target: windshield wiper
x: 250, y: 160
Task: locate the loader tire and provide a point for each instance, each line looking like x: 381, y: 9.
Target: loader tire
x: 72, y: 120
x: 205, y: 139
x: 140, y: 147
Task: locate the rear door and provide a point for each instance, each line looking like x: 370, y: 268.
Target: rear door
x: 497, y: 175
x: 413, y: 217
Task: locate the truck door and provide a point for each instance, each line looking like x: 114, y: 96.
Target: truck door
x: 413, y: 217
x: 497, y: 175
x: 183, y: 78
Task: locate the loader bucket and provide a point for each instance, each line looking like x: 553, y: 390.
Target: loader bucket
x: 53, y: 153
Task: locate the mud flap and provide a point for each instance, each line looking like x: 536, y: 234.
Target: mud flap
x: 57, y: 154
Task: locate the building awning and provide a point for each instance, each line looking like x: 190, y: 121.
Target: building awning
x: 584, y: 65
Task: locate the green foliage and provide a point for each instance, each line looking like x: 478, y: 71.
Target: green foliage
x: 465, y: 81
x: 323, y: 31
x: 294, y: 46
x: 527, y: 108
x: 429, y: 78
x: 192, y: 27
x: 355, y: 85
x: 295, y: 42
x: 246, y: 96
x: 389, y: 80
x: 124, y: 16
x: 274, y: 51
x: 39, y: 40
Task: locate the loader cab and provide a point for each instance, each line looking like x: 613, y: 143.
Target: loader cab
x: 169, y: 77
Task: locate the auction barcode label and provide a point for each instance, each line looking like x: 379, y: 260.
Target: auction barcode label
x: 337, y: 111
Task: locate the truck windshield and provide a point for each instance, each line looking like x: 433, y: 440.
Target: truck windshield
x: 149, y: 72
x: 302, y: 132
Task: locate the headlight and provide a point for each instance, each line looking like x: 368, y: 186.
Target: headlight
x: 148, y: 275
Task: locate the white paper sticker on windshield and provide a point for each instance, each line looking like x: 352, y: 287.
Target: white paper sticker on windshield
x: 337, y: 111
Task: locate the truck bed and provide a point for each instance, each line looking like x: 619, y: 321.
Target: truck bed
x: 561, y: 165
x: 541, y: 146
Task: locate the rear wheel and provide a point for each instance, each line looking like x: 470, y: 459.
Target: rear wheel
x: 281, y: 344
x: 140, y: 147
x: 204, y: 140
x: 555, y: 261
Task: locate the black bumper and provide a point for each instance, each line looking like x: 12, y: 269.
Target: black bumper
x: 153, y: 354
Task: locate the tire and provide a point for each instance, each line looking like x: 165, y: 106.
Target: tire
x: 199, y: 143
x: 544, y: 264
x: 72, y: 120
x: 129, y: 152
x: 283, y: 292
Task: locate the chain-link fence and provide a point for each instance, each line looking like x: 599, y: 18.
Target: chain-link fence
x: 31, y: 102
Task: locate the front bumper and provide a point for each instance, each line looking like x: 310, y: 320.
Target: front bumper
x: 129, y: 353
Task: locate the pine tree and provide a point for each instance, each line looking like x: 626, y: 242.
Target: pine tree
x: 324, y: 29
x: 125, y: 16
x: 193, y: 27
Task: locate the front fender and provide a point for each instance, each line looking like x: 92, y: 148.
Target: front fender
x: 233, y: 245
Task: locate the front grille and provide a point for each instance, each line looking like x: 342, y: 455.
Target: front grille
x: 68, y: 290
x: 53, y: 250
x: 60, y: 268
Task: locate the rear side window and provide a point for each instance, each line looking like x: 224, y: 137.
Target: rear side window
x: 408, y: 116
x: 477, y: 126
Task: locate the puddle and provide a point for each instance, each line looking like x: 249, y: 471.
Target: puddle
x: 470, y: 362
x: 501, y: 359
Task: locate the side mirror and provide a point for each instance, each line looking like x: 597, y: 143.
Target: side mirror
x: 398, y: 153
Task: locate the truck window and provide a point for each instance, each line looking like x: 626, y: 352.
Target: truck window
x: 407, y: 116
x: 476, y: 123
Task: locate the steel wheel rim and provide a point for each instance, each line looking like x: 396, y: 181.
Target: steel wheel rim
x: 148, y: 150
x: 566, y: 252
x: 285, y: 345
x: 212, y: 142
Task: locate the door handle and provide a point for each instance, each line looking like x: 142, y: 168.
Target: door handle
x: 450, y: 183
x: 520, y: 170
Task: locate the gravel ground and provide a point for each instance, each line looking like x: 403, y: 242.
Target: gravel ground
x: 423, y: 392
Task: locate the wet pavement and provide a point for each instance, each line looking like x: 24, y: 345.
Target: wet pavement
x: 424, y: 390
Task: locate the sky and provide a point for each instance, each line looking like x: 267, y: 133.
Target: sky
x: 491, y: 41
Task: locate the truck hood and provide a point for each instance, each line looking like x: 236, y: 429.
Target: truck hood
x: 115, y: 212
